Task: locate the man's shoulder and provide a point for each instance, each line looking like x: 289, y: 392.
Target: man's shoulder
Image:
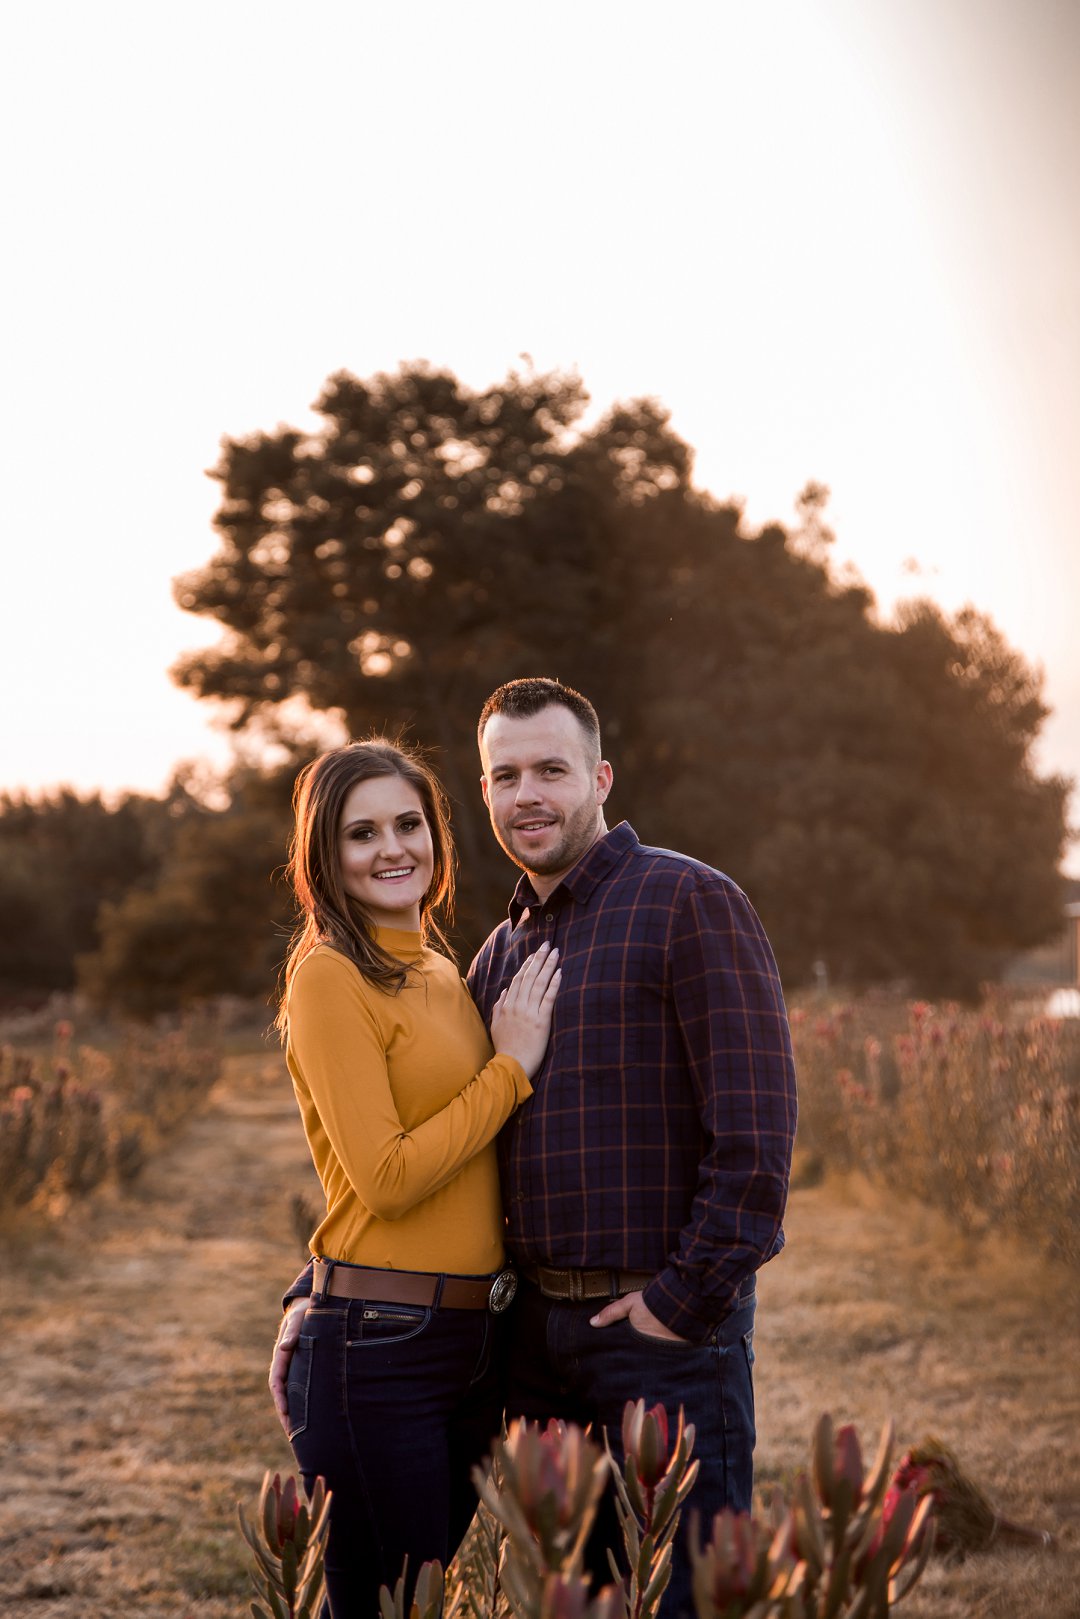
x: 668, y: 868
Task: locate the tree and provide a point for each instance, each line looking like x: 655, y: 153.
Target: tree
x: 426, y: 544
x: 61, y: 856
x: 870, y: 785
x: 215, y: 921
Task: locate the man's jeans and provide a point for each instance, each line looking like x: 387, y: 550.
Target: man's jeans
x: 393, y: 1404
x: 560, y: 1366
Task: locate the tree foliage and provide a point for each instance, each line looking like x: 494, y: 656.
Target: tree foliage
x: 215, y: 921
x: 871, y: 785
x: 61, y: 856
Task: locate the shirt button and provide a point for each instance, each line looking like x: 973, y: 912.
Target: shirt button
x: 550, y: 917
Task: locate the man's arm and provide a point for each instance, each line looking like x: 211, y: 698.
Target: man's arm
x: 729, y: 1007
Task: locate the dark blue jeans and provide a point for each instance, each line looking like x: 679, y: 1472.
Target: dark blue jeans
x: 560, y: 1366
x: 393, y: 1404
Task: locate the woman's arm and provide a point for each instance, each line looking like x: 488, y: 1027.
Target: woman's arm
x: 338, y: 1049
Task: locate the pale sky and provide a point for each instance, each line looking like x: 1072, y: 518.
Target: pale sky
x: 837, y: 238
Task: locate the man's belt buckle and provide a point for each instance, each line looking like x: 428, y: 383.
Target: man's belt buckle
x: 503, y: 1289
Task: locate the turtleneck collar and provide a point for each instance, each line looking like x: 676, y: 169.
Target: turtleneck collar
x: 400, y: 942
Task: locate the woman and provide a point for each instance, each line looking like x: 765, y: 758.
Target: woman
x: 391, y: 1391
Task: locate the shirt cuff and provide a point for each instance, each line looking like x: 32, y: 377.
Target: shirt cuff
x: 683, y: 1311
x: 523, y: 1086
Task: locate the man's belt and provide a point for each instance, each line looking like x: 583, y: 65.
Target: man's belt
x: 425, y: 1288
x: 586, y: 1284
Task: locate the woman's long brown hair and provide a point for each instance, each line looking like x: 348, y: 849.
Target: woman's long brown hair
x: 326, y: 913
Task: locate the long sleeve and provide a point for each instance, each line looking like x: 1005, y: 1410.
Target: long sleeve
x: 729, y: 1007
x: 338, y: 1054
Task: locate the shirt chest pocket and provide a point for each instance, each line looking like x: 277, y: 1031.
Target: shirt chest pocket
x: 600, y: 1027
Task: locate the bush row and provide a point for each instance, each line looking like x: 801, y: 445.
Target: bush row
x: 976, y: 1113
x: 74, y: 1117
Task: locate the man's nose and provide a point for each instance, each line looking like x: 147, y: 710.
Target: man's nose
x: 528, y: 791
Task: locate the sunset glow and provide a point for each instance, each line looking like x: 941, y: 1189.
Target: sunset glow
x: 838, y: 242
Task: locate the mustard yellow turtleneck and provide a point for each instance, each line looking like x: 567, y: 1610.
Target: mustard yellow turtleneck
x: 401, y: 1100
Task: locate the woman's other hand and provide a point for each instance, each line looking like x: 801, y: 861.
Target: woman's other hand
x: 521, y: 1021
x: 287, y: 1339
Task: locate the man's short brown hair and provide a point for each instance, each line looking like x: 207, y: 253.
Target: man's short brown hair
x: 521, y: 699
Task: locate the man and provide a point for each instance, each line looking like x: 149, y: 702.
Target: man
x: 644, y: 1183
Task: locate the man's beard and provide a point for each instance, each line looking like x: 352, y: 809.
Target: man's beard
x: 579, y: 833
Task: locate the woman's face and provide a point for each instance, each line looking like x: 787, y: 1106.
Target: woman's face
x: 385, y: 851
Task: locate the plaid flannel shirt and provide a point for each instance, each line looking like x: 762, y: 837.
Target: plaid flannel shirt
x: 659, y: 1136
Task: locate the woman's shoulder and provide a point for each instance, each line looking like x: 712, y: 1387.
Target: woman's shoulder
x: 326, y: 968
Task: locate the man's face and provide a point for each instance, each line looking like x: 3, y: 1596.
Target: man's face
x: 543, y: 789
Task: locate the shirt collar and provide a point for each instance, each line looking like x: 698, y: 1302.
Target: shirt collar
x: 580, y: 882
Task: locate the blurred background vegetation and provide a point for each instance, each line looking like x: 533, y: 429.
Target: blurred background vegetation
x: 869, y: 783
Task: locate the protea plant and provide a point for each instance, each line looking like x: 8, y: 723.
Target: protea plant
x: 544, y: 1490
x: 854, y: 1562
x: 289, y: 1543
x: 649, y: 1497
x: 427, y: 1599
x: 746, y: 1568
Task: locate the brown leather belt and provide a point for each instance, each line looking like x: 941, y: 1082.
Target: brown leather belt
x: 586, y: 1284
x: 425, y: 1288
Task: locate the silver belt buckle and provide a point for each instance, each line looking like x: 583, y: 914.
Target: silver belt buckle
x: 503, y: 1289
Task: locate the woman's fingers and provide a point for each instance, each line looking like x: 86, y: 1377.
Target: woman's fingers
x: 551, y: 990
x: 279, y: 1377
x: 532, y: 978
x: 287, y: 1339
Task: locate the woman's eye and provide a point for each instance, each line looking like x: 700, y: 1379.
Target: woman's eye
x: 410, y: 826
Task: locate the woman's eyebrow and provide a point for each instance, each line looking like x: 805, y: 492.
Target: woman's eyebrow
x: 401, y: 815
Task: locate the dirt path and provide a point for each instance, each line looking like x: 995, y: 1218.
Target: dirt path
x: 133, y: 1411
x: 132, y: 1395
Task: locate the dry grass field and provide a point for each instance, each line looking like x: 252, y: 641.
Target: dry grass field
x: 133, y: 1410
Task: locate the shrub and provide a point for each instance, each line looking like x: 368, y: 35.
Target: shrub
x: 973, y: 1112
x: 70, y: 1121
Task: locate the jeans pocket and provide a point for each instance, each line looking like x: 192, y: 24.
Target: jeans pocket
x: 388, y: 1324
x: 298, y: 1385
x: 676, y: 1346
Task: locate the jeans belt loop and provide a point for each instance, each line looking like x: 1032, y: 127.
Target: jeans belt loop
x: 322, y: 1282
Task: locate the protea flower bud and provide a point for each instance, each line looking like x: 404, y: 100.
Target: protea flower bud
x: 645, y: 1442
x: 282, y: 1506
x: 848, y: 1463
